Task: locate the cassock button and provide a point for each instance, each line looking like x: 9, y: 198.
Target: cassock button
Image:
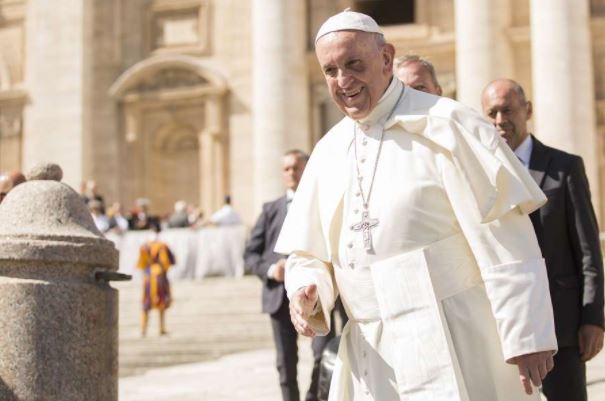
x: 357, y: 193
x: 364, y: 354
x: 363, y: 160
x: 365, y: 372
x: 352, y: 265
x: 364, y: 142
x: 350, y: 245
x: 356, y: 211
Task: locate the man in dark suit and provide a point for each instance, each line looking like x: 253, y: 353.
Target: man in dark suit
x: 270, y: 267
x: 568, y: 235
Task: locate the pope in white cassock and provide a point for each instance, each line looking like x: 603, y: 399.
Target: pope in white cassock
x: 416, y: 212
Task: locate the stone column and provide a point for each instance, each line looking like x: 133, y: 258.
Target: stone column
x: 280, y: 90
x: 562, y: 74
x: 59, y: 320
x: 483, y: 49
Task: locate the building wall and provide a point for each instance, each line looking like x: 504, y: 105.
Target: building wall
x: 60, y: 59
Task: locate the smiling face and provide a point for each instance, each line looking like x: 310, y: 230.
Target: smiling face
x: 357, y: 67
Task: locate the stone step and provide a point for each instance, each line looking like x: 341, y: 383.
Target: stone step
x: 207, y: 319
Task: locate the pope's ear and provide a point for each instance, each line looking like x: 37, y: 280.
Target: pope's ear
x: 388, y: 54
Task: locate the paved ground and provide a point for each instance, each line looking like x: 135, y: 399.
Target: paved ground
x: 222, y: 346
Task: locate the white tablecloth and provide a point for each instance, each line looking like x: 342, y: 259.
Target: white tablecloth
x: 213, y: 251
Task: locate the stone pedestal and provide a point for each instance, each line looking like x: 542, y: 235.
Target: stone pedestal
x: 59, y: 316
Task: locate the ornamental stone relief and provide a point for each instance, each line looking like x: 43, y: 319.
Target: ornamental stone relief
x: 178, y: 26
x: 169, y: 79
x: 10, y: 122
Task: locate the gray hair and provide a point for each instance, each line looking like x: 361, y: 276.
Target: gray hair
x: 414, y: 58
x: 298, y: 153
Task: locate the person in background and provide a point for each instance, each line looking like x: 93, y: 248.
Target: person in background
x: 155, y: 258
x: 269, y: 267
x: 91, y: 193
x: 117, y: 222
x: 100, y: 219
x: 417, y: 73
x: 568, y: 235
x: 195, y: 216
x: 226, y: 215
x: 140, y: 218
x: 180, y: 217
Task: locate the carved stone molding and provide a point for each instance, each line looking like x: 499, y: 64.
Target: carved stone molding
x: 168, y: 79
x: 11, y: 113
x: 178, y: 26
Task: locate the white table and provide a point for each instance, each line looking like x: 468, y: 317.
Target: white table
x: 212, y: 251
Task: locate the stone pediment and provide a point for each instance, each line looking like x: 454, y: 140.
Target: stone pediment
x: 168, y: 73
x: 169, y: 79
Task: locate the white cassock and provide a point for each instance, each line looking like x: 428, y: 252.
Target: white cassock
x: 455, y: 285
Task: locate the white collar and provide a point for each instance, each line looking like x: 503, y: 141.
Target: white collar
x: 289, y: 194
x: 524, y: 149
x: 386, y: 103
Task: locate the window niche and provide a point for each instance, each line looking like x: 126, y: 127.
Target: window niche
x: 179, y: 26
x: 387, y: 12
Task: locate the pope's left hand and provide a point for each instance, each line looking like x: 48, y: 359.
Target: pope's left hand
x: 591, y: 341
x: 533, y: 368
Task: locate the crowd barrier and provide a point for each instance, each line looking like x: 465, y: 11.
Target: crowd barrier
x: 211, y: 251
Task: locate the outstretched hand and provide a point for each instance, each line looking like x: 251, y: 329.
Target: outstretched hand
x: 302, y: 305
x: 533, y: 368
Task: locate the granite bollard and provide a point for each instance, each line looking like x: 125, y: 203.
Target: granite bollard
x: 58, y: 314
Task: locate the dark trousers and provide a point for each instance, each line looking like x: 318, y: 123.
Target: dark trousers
x: 286, y: 347
x: 285, y: 338
x: 319, y: 344
x: 567, y: 380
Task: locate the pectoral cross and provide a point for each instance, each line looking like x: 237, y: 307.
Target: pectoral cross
x: 365, y: 225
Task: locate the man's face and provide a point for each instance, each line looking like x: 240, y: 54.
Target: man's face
x: 356, y: 68
x: 504, y: 108
x: 293, y: 167
x: 416, y: 76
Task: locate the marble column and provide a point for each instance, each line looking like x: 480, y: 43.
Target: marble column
x: 483, y: 49
x: 280, y: 91
x: 562, y: 74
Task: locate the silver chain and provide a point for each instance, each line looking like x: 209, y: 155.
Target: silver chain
x: 366, y: 201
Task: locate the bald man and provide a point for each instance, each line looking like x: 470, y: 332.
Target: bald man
x: 418, y: 73
x: 568, y: 236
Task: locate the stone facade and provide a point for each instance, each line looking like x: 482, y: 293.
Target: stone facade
x: 195, y: 99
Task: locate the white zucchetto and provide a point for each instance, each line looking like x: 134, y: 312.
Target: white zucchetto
x: 348, y: 21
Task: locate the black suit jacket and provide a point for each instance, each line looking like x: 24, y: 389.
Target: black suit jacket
x: 259, y: 255
x: 568, y: 235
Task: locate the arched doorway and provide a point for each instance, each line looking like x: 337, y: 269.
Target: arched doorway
x: 174, y: 165
x: 173, y: 133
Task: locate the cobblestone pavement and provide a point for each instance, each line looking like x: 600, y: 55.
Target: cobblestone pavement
x: 220, y: 348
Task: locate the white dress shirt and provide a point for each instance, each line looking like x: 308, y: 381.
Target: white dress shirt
x: 523, y: 151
